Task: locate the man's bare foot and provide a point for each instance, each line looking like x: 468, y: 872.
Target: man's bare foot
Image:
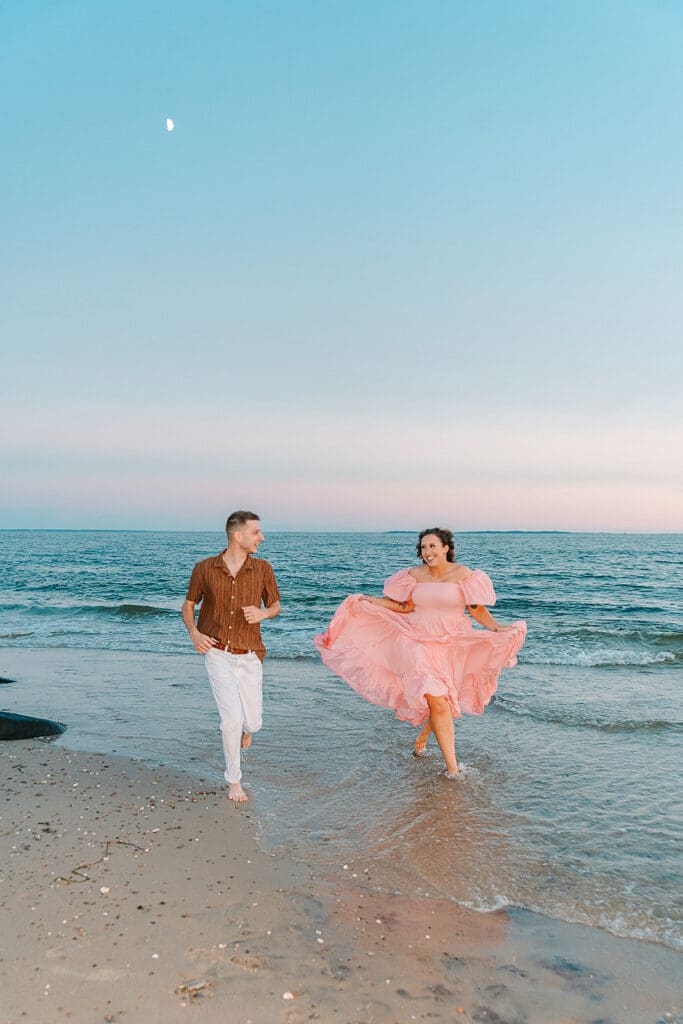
x: 236, y: 793
x: 246, y: 740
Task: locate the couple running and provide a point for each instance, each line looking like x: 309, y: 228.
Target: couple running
x: 413, y: 650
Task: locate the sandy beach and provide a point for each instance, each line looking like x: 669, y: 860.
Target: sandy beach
x: 138, y: 894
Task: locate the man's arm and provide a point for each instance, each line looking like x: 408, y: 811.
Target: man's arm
x: 202, y: 643
x: 270, y: 599
x: 253, y: 614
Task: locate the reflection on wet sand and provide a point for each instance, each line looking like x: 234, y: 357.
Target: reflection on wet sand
x: 415, y: 925
x: 444, y: 833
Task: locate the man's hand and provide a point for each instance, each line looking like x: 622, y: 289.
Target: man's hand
x: 202, y: 642
x: 253, y: 614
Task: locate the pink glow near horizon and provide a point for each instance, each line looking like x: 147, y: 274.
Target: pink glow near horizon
x: 166, y: 501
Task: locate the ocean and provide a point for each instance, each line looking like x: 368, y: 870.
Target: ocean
x: 569, y: 803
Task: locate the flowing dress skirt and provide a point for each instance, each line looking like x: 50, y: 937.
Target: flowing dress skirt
x: 394, y: 660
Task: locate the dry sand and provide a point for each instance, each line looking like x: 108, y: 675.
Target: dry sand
x: 132, y: 894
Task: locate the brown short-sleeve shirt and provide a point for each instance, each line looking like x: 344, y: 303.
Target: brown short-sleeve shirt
x: 223, y: 596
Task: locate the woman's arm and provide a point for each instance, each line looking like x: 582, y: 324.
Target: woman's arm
x: 483, y: 616
x: 402, y: 607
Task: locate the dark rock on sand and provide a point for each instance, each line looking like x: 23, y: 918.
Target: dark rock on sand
x: 23, y: 727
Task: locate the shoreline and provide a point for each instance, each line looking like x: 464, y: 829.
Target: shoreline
x: 133, y: 891
x: 248, y: 924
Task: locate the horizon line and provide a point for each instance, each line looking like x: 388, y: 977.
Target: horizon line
x: 100, y: 529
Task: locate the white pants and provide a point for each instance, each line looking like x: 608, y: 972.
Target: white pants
x: 237, y: 684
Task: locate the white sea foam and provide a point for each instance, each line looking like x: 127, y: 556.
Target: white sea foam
x: 468, y: 771
x: 599, y: 658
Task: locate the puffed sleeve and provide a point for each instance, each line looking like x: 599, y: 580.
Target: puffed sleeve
x: 478, y: 589
x: 400, y: 586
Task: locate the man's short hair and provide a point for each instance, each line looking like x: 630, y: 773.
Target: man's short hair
x: 237, y: 520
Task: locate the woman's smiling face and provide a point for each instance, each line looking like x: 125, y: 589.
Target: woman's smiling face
x: 433, y: 550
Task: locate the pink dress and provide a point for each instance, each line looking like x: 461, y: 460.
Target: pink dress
x: 394, y: 659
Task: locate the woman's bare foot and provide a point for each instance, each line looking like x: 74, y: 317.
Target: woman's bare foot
x: 236, y: 793
x: 246, y: 740
x: 421, y: 741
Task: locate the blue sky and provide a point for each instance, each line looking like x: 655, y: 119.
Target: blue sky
x: 397, y: 263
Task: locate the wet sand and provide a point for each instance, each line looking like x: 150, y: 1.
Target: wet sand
x: 137, y: 894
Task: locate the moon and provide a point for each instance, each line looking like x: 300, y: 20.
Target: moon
x: 169, y: 125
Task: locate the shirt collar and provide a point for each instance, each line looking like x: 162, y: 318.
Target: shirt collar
x: 247, y: 566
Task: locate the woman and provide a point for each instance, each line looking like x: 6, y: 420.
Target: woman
x: 415, y: 650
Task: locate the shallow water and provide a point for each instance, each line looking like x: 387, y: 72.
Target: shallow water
x: 578, y: 824
x: 570, y: 800
x: 569, y: 821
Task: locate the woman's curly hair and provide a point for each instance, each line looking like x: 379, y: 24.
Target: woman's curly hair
x: 445, y: 536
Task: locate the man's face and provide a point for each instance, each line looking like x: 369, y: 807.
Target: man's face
x: 249, y: 536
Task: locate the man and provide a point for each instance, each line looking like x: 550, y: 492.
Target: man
x: 237, y: 592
